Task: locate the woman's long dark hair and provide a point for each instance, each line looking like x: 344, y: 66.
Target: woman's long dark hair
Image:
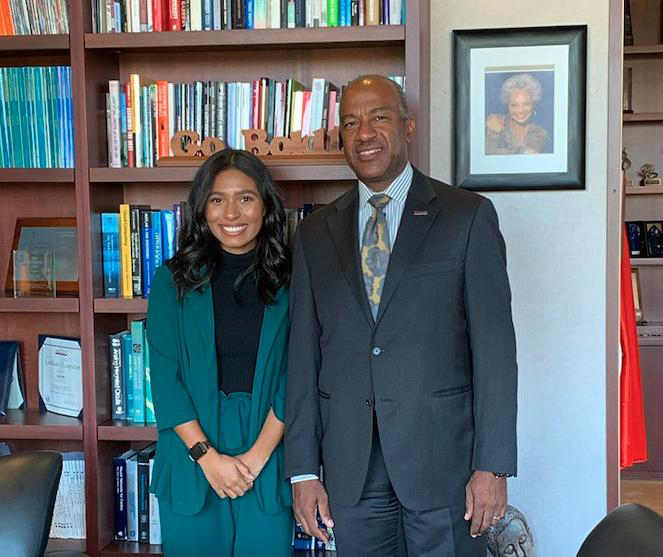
x: 198, y: 255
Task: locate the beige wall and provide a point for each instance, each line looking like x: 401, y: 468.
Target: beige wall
x: 557, y: 254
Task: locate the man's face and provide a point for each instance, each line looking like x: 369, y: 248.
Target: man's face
x: 375, y: 132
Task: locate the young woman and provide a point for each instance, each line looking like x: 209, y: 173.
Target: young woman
x: 217, y: 328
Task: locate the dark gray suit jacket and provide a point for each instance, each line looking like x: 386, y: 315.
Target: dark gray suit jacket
x: 438, y: 366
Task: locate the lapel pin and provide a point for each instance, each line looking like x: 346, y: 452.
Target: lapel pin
x: 421, y: 213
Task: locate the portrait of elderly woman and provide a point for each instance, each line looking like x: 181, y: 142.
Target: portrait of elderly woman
x: 514, y: 128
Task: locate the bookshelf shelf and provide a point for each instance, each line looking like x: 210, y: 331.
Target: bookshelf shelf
x: 645, y: 51
x: 65, y: 545
x: 33, y: 424
x: 309, y: 170
x: 37, y: 175
x: 115, y: 430
x: 327, y: 37
x: 650, y: 341
x: 120, y: 305
x: 644, y: 190
x: 128, y: 549
x: 41, y: 305
x: 643, y: 117
x: 646, y: 261
x: 34, y: 44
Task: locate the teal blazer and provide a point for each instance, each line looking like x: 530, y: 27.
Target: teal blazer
x: 184, y: 378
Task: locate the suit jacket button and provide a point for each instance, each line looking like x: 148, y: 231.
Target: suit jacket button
x: 376, y: 351
x: 369, y: 402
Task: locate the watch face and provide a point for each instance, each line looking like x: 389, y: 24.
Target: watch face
x: 198, y: 450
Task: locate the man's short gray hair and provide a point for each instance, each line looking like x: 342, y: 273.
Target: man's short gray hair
x: 402, y: 97
x: 521, y: 81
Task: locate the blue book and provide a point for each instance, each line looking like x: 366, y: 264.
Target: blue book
x: 150, y: 416
x: 156, y: 254
x: 137, y: 344
x: 248, y: 14
x: 62, y: 116
x: 145, y: 248
x: 128, y: 362
x: 342, y: 14
x: 232, y: 88
x: 120, y: 468
x: 167, y: 234
x: 69, y: 118
x: 208, y: 23
x: 110, y: 240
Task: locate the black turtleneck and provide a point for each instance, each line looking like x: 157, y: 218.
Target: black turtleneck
x: 237, y: 325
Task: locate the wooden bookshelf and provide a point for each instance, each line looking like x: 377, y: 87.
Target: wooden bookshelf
x: 644, y: 190
x: 33, y: 424
x: 36, y: 175
x: 244, y: 39
x: 15, y: 45
x: 338, y: 54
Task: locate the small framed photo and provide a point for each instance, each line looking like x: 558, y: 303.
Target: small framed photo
x: 654, y: 237
x: 519, y: 114
x: 57, y: 236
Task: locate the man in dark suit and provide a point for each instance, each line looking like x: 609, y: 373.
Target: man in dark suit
x: 402, y: 365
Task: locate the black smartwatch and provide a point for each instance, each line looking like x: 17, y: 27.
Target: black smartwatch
x: 199, y: 449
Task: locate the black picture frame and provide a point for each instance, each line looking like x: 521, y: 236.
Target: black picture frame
x: 552, y: 153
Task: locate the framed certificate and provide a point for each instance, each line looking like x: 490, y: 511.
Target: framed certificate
x: 61, y: 375
x: 58, y: 235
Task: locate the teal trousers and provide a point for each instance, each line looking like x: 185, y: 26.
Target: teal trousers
x: 228, y: 527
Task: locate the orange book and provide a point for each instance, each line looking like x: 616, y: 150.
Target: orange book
x: 3, y: 29
x: 6, y: 18
x: 162, y: 118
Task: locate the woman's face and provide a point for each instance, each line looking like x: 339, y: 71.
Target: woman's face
x: 234, y: 211
x: 521, y: 106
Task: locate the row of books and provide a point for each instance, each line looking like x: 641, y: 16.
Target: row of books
x: 645, y: 238
x: 134, y: 16
x: 141, y: 119
x: 135, y: 243
x: 69, y: 512
x: 136, y: 509
x: 36, y: 117
x: 33, y: 17
x: 131, y: 383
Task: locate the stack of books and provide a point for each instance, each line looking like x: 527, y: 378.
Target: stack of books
x: 136, y: 242
x: 133, y: 16
x: 136, y: 509
x: 69, y: 513
x: 36, y: 117
x: 28, y: 17
x: 131, y: 383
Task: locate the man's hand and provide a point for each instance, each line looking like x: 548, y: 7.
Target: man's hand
x: 228, y: 476
x: 309, y: 498
x: 485, y: 501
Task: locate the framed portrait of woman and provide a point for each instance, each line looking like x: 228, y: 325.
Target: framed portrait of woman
x: 519, y: 116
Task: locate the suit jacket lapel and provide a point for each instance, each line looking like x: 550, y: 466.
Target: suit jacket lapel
x: 200, y: 305
x: 411, y: 232
x: 343, y: 228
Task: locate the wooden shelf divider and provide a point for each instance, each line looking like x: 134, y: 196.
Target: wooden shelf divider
x: 115, y: 430
x: 33, y: 44
x: 129, y: 549
x: 33, y: 424
x: 646, y: 261
x: 644, y: 51
x: 642, y: 117
x: 644, y: 190
x: 250, y: 39
x: 42, y: 305
x: 120, y: 305
x: 37, y: 175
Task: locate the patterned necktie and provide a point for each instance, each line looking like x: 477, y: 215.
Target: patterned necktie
x: 375, y: 250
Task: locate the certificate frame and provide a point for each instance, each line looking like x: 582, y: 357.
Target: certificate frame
x: 547, y: 151
x: 41, y: 231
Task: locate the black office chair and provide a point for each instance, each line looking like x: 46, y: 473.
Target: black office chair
x: 28, y: 486
x: 627, y: 530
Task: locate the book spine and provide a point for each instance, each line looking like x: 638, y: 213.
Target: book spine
x: 145, y: 248
x: 150, y: 416
x: 125, y: 251
x: 155, y: 523
x: 110, y: 239
x: 123, y: 128
x: 137, y: 343
x: 131, y: 155
x: 238, y: 14
x: 119, y: 407
x: 162, y: 117
x: 156, y: 246
x: 132, y: 499
x: 174, y: 15
x: 143, y: 499
x: 168, y: 234
x: 127, y: 362
x: 120, y: 466
x: 134, y: 80
x: 136, y: 267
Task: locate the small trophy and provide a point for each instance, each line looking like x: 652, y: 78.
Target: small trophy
x: 34, y: 273
x: 627, y: 97
x: 649, y: 176
x: 626, y: 164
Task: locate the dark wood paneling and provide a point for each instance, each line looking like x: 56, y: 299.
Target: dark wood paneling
x: 33, y: 424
